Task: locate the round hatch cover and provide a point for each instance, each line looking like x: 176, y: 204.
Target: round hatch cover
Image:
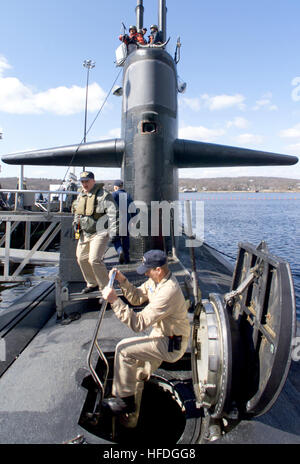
x: 242, y: 341
x: 212, y: 356
x: 265, y: 313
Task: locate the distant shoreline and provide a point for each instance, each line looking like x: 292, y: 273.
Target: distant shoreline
x: 244, y: 191
x: 211, y: 185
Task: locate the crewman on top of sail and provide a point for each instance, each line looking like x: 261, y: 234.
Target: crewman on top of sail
x: 155, y: 36
x: 144, y: 33
x: 131, y: 38
x: 140, y: 37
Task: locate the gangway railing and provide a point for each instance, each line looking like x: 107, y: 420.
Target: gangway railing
x: 28, y: 252
x: 46, y: 205
x: 55, y: 224
x: 100, y: 384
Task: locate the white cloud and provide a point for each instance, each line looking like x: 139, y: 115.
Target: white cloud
x: 115, y: 132
x: 18, y: 98
x: 3, y: 64
x: 217, y: 102
x: 239, y: 122
x: 69, y: 100
x: 249, y: 139
x: 265, y: 102
x: 200, y: 133
x: 296, y: 91
x: 268, y: 171
x: 111, y: 134
x: 192, y: 103
x: 294, y: 149
x: 291, y: 132
x: 220, y: 102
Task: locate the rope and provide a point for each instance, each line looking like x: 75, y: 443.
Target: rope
x: 221, y: 252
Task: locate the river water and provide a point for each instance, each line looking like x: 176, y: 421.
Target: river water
x: 10, y: 292
x: 230, y: 218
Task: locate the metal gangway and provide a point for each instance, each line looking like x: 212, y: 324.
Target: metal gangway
x: 55, y: 220
x: 56, y: 225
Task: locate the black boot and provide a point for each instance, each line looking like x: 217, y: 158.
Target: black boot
x: 120, y: 405
x: 89, y: 289
x: 121, y: 257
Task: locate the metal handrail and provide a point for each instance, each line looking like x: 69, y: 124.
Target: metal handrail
x: 47, y: 193
x: 73, y: 192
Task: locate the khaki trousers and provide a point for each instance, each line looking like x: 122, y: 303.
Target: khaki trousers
x: 137, y: 358
x: 89, y: 253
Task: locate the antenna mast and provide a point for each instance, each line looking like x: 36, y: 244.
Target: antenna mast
x: 162, y: 19
x: 139, y: 14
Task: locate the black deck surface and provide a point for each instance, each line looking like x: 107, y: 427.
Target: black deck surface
x: 43, y: 393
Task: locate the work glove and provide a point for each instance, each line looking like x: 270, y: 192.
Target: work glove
x: 77, y: 230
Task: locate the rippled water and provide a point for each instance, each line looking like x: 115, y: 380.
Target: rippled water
x: 10, y: 292
x: 230, y: 218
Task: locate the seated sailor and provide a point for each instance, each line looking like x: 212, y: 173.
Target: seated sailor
x: 166, y: 312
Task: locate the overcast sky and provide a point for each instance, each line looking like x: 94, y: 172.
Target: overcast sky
x: 240, y: 60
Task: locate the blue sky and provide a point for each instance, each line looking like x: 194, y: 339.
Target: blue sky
x: 240, y: 59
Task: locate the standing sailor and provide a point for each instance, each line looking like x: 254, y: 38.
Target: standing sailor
x: 140, y: 37
x: 131, y: 38
x: 155, y: 36
x: 71, y: 186
x: 95, y: 222
x: 166, y: 312
x: 122, y: 242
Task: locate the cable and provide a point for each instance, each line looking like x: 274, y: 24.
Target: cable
x: 76, y: 151
x: 105, y: 100
x: 228, y: 256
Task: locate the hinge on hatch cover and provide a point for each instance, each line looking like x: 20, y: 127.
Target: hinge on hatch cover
x: 253, y: 274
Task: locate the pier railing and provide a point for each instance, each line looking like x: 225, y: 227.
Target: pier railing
x: 29, y: 195
x: 54, y: 217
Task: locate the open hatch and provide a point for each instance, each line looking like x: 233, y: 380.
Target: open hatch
x: 242, y: 341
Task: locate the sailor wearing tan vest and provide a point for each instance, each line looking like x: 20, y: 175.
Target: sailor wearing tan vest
x: 95, y: 222
x: 166, y: 312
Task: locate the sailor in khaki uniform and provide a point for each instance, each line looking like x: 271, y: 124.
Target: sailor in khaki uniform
x: 95, y: 222
x: 136, y: 358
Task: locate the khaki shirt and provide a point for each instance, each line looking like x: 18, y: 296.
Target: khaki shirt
x: 166, y: 311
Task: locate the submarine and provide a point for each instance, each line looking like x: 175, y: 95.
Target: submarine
x: 242, y: 328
